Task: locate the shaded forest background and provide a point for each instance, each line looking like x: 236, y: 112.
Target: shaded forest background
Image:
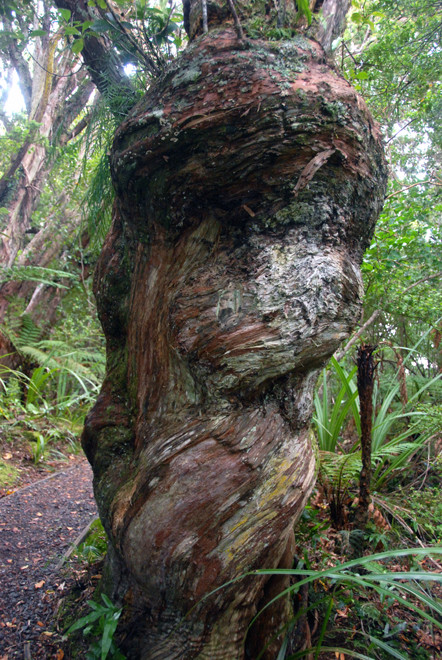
x: 55, y: 206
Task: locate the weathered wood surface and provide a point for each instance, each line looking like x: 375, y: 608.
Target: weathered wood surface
x: 248, y: 182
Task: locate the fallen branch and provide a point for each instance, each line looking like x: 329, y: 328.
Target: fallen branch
x: 80, y: 538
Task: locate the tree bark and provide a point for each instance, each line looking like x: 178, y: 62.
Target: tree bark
x: 248, y: 182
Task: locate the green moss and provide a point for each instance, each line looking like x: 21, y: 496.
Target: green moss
x: 294, y: 213
x: 117, y: 367
x: 8, y: 475
x: 94, y: 546
x: 113, y: 466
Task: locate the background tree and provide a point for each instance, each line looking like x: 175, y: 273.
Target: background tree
x: 248, y: 181
x: 55, y: 89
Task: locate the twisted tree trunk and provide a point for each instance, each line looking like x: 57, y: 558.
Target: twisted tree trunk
x: 248, y: 182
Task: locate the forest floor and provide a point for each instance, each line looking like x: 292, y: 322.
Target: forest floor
x: 38, y: 523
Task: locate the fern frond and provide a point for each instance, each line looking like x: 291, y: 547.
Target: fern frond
x: 339, y: 469
x: 40, y: 274
x: 82, y: 355
x: 99, y: 197
x: 21, y: 330
x: 394, y: 450
x: 39, y: 357
x: 29, y: 332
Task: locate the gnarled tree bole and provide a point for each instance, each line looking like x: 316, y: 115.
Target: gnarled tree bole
x: 248, y: 183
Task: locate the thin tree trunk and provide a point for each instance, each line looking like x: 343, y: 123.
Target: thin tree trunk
x: 365, y: 381
x: 357, y: 335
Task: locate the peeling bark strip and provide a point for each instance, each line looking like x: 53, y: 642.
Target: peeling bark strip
x: 222, y: 296
x: 311, y: 168
x: 365, y: 380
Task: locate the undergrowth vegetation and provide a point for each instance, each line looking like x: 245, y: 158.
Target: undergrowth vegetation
x: 43, y: 401
x: 405, y: 438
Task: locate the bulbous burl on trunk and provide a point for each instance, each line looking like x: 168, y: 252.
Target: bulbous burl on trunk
x: 248, y: 182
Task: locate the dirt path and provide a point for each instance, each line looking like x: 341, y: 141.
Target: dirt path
x: 37, y: 525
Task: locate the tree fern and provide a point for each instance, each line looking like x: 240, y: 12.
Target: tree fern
x: 339, y: 470
x: 397, y: 434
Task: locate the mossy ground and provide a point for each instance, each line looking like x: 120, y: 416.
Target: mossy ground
x: 9, y: 474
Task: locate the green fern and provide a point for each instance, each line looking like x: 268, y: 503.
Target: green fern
x: 80, y: 362
x: 98, y: 203
x: 40, y: 274
x: 339, y: 470
x: 29, y: 332
x: 99, y: 197
x: 21, y: 331
x: 36, y: 356
x: 74, y: 373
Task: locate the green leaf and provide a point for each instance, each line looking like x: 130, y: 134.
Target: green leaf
x: 102, y: 4
x: 108, y: 632
x: 66, y: 14
x: 84, y: 621
x: 71, y: 30
x: 77, y: 46
x: 101, y: 26
x: 37, y: 33
x: 386, y: 647
x: 107, y: 601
